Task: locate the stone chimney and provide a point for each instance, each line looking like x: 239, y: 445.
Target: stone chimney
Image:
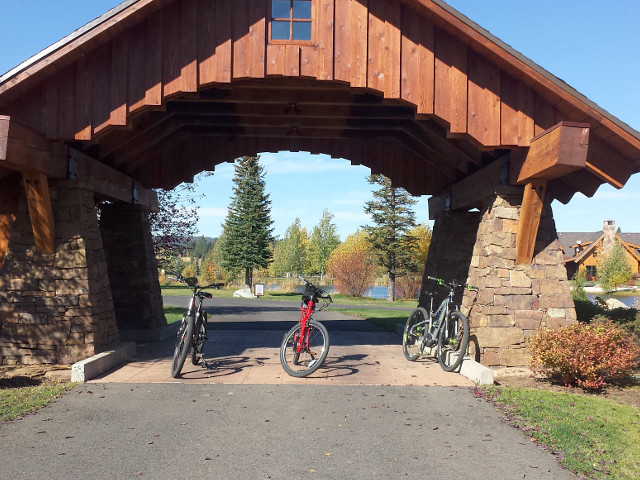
x: 609, y: 231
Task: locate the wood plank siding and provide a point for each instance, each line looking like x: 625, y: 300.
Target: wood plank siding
x: 413, y: 54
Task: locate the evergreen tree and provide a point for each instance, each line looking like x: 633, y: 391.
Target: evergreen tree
x: 391, y: 236
x: 247, y: 228
x: 324, y: 240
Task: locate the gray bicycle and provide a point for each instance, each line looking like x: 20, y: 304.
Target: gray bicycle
x: 193, y: 329
x: 446, y: 328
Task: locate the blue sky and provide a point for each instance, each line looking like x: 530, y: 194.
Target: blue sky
x: 592, y: 45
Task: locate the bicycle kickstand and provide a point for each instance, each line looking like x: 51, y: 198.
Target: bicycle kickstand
x: 204, y: 362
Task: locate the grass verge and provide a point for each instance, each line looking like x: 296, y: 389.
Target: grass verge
x: 173, y: 314
x: 385, y: 318
x: 20, y: 396
x: 179, y: 290
x: 591, y: 436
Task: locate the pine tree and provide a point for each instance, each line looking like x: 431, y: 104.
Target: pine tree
x: 391, y: 236
x: 247, y: 228
x: 324, y: 240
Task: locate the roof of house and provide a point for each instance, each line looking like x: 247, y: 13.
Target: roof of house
x: 569, y: 240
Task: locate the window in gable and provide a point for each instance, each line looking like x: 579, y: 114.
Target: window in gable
x: 291, y: 20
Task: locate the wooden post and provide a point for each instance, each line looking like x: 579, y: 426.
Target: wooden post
x: 36, y: 187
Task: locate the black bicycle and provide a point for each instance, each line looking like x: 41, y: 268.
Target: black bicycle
x: 305, y: 346
x: 193, y: 329
x: 447, y: 327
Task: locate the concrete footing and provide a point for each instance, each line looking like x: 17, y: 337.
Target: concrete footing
x: 97, y: 364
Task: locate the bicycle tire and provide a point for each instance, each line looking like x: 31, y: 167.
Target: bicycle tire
x: 453, y: 340
x: 301, y: 364
x: 413, y: 343
x: 185, y: 337
x: 200, y: 333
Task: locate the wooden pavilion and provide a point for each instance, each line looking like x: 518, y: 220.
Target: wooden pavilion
x: 156, y: 91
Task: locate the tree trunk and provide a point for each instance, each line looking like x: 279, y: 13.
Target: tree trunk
x: 248, y: 278
x: 392, y: 287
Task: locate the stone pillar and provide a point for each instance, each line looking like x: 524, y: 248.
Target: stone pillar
x: 452, y: 242
x: 514, y: 300
x: 56, y: 308
x: 133, y: 272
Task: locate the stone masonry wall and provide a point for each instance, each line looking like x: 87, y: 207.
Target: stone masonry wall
x: 514, y: 300
x: 133, y: 272
x: 56, y: 308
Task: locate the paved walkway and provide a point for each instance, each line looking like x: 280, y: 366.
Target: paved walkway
x: 366, y: 414
x: 244, y: 343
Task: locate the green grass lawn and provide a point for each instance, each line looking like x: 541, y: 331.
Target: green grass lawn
x: 594, y: 437
x: 386, y: 318
x: 17, y: 399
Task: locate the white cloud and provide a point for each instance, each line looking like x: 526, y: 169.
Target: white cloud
x: 212, y: 212
x: 287, y: 163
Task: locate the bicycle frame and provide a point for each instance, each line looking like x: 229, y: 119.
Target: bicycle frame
x: 434, y: 321
x: 305, y: 314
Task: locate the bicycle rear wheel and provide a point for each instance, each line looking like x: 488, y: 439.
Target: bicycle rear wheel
x: 201, y: 336
x: 413, y: 337
x: 453, y: 340
x: 309, y: 359
x: 185, y: 336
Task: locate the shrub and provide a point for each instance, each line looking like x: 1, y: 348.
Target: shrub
x: 408, y: 286
x: 589, y: 356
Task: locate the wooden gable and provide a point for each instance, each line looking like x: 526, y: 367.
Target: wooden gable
x: 156, y: 91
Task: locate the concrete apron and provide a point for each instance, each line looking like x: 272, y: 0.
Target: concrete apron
x: 252, y: 357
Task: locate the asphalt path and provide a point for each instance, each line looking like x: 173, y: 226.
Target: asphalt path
x: 185, y: 431
x: 213, y: 430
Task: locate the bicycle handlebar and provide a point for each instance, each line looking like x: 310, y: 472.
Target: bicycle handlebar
x: 453, y: 284
x: 194, y: 283
x: 319, y: 292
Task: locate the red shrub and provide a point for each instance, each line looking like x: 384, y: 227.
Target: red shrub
x: 584, y: 355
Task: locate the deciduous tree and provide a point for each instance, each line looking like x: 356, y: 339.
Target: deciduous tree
x: 353, y: 265
x: 614, y: 269
x: 324, y: 240
x: 174, y: 225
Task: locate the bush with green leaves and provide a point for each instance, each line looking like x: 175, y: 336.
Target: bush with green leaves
x: 586, y: 355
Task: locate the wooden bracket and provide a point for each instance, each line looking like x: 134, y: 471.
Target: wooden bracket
x: 530, y: 214
x: 9, y: 194
x: 36, y: 187
x: 560, y: 150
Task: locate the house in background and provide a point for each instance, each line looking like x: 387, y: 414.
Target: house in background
x: 582, y: 250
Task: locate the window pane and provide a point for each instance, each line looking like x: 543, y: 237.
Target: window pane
x: 280, y: 9
x: 280, y: 30
x: 302, y: 30
x: 302, y: 9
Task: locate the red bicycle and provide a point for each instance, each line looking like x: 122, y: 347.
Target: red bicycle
x: 305, y: 347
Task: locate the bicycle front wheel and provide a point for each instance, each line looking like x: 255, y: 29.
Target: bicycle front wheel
x: 413, y: 337
x: 453, y: 340
x: 185, y: 336
x: 303, y: 361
